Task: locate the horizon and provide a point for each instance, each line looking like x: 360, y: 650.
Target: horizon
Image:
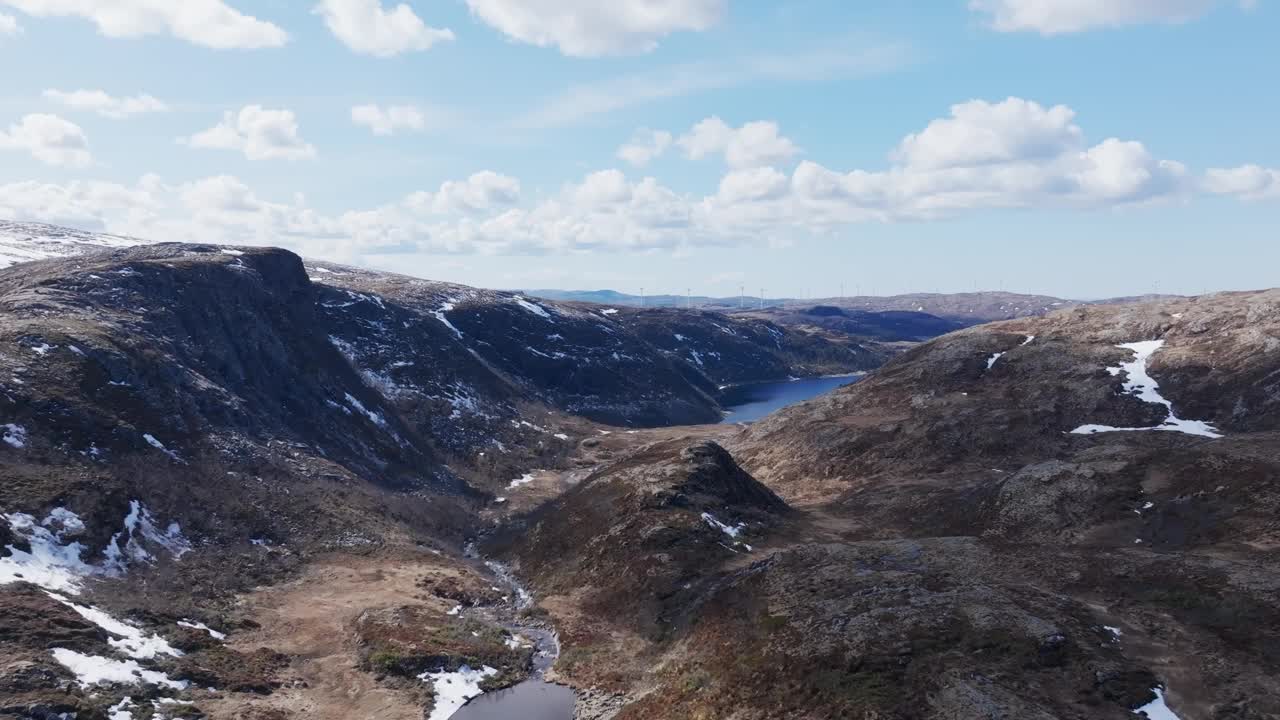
x: 988, y: 143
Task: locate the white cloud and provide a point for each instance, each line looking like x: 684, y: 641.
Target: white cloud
x: 589, y: 28
x: 386, y: 121
x: 209, y: 23
x: 1251, y: 182
x: 1010, y: 154
x: 100, y: 102
x: 482, y: 191
x: 982, y: 133
x: 756, y: 184
x: 366, y: 27
x: 79, y: 204
x: 9, y: 26
x: 1055, y: 17
x: 755, y: 144
x: 1037, y: 158
x: 259, y: 133
x: 49, y: 139
x: 645, y: 146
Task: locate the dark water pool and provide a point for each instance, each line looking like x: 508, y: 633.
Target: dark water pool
x: 749, y: 403
x: 530, y: 700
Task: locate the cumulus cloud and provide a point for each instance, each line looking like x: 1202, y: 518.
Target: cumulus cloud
x: 1250, y: 182
x: 982, y: 133
x: 588, y: 28
x: 981, y: 156
x: 1056, y: 17
x: 755, y: 144
x: 49, y: 139
x: 88, y: 205
x: 387, y: 121
x: 1015, y: 153
x: 103, y: 104
x: 9, y: 26
x: 209, y: 23
x: 645, y: 146
x: 259, y: 133
x: 482, y: 191
x: 367, y: 28
x: 752, y: 185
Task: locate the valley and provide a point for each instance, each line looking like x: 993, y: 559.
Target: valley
x: 240, y: 484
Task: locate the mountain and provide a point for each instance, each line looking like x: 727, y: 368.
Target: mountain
x: 184, y: 423
x: 24, y: 242
x: 241, y: 484
x: 1067, y: 516
x: 887, y: 326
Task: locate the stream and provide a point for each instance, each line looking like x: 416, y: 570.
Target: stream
x: 535, y: 698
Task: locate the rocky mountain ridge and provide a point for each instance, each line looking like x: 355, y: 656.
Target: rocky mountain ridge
x: 1068, y: 516
x: 1037, y: 518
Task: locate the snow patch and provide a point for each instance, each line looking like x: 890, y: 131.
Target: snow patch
x: 455, y: 689
x: 139, y: 523
x: 609, y: 311
x: 376, y: 418
x: 120, y: 711
x: 49, y: 563
x: 130, y: 640
x: 15, y: 435
x: 731, y: 530
x: 94, y: 670
x: 1139, y: 382
x: 1156, y: 709
x: 153, y: 442
x: 534, y: 308
x: 522, y: 480
x: 991, y: 361
x: 201, y: 626
x: 439, y: 313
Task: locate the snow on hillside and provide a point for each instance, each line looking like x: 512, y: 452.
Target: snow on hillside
x: 24, y: 242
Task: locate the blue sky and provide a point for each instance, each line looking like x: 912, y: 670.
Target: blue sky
x: 1082, y: 148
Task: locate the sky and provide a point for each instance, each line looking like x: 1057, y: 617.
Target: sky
x: 1080, y: 148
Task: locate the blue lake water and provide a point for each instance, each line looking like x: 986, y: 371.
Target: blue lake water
x: 749, y: 403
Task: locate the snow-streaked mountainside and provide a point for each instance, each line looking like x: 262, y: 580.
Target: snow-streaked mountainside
x: 245, y: 410
x: 182, y: 351
x: 23, y: 242
x: 242, y: 485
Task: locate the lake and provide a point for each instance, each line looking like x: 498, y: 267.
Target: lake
x: 749, y: 403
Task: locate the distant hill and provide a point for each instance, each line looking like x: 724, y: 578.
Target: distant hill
x: 970, y: 308
x: 887, y: 326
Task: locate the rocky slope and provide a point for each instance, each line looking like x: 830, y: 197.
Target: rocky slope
x: 895, y: 326
x: 238, y: 485
x: 24, y: 242
x: 1019, y: 520
x: 181, y: 423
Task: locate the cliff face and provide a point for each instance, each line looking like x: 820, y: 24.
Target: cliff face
x: 199, y: 359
